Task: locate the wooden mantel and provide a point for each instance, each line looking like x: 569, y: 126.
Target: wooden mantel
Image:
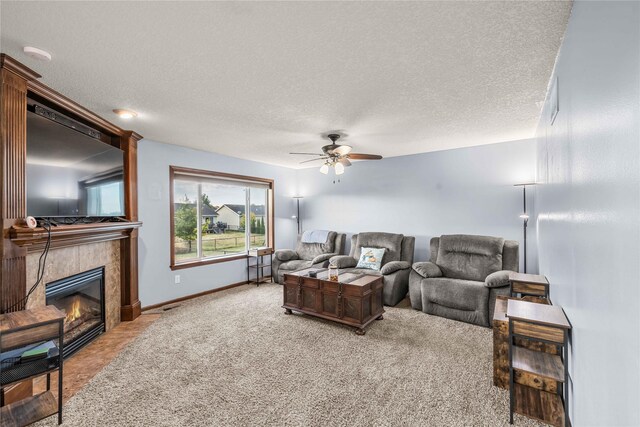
x: 17, y: 83
x: 71, y: 235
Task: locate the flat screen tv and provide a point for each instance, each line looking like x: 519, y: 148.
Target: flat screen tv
x: 71, y: 172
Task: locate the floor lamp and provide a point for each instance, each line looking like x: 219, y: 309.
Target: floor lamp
x: 297, y: 215
x: 525, y: 217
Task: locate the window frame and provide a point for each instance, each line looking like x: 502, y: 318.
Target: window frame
x: 178, y: 170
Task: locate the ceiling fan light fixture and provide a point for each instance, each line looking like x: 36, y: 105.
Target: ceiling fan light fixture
x: 125, y: 114
x: 336, y: 156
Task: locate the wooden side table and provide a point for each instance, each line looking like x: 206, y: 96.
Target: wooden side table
x: 528, y: 284
x: 500, y: 326
x: 22, y: 330
x: 543, y: 395
x: 259, y: 265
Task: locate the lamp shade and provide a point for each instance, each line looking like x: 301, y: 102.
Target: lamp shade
x: 324, y: 169
x: 339, y: 168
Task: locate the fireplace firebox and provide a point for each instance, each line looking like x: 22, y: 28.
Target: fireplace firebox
x: 81, y: 297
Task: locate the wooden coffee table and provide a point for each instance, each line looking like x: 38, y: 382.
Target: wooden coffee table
x: 354, y: 300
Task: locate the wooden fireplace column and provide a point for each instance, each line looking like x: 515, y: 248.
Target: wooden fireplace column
x: 13, y: 205
x: 130, y: 307
x: 18, y: 82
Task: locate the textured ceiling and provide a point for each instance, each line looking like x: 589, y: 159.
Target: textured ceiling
x: 257, y: 80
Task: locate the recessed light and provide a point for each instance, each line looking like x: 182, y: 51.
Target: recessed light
x: 36, y: 53
x: 125, y: 114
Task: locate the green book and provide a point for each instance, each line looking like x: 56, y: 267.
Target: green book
x: 38, y: 352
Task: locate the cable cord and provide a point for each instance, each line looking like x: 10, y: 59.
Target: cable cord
x: 42, y: 261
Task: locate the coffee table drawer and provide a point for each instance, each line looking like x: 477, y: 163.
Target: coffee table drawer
x: 309, y: 282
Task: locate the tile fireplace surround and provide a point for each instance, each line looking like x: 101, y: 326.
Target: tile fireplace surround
x: 65, y: 262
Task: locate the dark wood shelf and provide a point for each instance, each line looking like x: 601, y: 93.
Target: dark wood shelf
x: 260, y: 266
x: 29, y: 410
x: 528, y: 284
x: 541, y: 314
x: 538, y: 363
x: 262, y: 280
x: 29, y: 326
x: 31, y: 376
x: 540, y: 405
x: 30, y: 318
x: 534, y: 279
x: 71, y: 235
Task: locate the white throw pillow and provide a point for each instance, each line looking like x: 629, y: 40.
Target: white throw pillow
x: 371, y: 258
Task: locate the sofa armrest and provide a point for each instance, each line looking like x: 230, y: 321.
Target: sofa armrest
x: 322, y: 258
x: 427, y: 269
x: 393, y: 266
x: 285, y: 254
x: 497, y: 279
x: 343, y: 261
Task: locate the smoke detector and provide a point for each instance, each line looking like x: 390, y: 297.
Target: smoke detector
x: 36, y: 53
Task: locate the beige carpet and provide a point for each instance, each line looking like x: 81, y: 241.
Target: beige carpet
x: 234, y: 359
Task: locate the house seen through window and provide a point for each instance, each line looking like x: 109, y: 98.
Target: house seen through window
x: 217, y: 216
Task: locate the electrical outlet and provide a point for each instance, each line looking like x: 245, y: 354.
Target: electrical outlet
x: 177, y: 279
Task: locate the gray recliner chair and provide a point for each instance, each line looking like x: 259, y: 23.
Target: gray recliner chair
x: 463, y: 277
x: 396, y: 262
x: 307, y: 255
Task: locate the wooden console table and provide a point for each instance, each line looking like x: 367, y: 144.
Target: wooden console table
x: 500, y: 326
x: 19, y: 330
x: 528, y: 285
x: 538, y: 380
x: 259, y: 265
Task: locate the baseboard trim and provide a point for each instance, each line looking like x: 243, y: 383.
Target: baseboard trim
x: 188, y: 297
x: 130, y: 312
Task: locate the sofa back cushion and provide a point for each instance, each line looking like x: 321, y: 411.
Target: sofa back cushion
x: 392, y: 243
x: 309, y: 251
x: 434, y: 244
x: 511, y: 255
x: 468, y: 257
x: 408, y: 247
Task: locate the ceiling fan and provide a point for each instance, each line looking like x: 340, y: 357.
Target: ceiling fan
x: 337, y: 156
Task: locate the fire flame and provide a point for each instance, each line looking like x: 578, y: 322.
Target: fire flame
x: 74, y: 312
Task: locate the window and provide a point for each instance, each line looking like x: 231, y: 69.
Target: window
x: 218, y: 217
x: 105, y: 199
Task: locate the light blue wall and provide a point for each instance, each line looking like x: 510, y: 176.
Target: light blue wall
x: 156, y: 280
x: 589, y: 208
x: 469, y: 190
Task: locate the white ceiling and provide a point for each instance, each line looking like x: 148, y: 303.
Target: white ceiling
x: 257, y: 80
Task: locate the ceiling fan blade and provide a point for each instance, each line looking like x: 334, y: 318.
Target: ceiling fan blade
x: 313, y: 160
x: 342, y: 150
x: 358, y: 156
x: 309, y: 154
x: 345, y: 161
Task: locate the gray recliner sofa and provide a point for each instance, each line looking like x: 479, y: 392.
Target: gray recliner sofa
x: 307, y: 255
x: 463, y: 276
x: 396, y: 262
